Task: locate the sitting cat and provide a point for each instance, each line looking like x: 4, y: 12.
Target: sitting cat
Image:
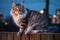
x: 18, y: 14
x: 27, y: 20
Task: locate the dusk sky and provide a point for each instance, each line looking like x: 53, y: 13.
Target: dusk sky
x: 5, y: 5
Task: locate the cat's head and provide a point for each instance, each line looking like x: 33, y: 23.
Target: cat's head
x: 18, y: 8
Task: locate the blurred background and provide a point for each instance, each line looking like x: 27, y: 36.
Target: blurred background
x: 52, y: 8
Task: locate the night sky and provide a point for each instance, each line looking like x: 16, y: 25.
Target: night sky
x: 5, y: 5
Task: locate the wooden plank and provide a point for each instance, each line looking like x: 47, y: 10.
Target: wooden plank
x: 45, y: 37
x: 25, y: 37
x: 40, y: 36
x: 37, y: 37
x: 51, y: 36
x: 10, y: 36
x: 4, y: 36
x: 57, y: 36
x: 31, y: 36
x: 16, y: 37
x: 0, y: 36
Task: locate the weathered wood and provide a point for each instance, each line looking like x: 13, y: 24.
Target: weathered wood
x: 13, y: 36
x: 51, y: 36
x: 57, y: 36
x: 31, y: 36
x: 16, y: 37
x: 25, y: 37
x: 10, y: 36
x: 0, y: 36
x: 37, y: 37
x: 45, y: 37
x: 4, y: 36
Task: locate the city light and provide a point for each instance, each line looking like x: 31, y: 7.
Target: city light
x: 54, y: 16
x: 42, y: 11
x: 6, y: 23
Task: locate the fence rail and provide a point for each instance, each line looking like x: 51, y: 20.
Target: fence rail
x: 13, y: 36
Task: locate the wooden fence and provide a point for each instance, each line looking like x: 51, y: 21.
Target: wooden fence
x: 13, y: 36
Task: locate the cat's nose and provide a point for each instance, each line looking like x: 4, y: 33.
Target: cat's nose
x: 16, y: 12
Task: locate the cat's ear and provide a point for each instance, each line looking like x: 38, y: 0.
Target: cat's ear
x: 13, y: 4
x: 22, y: 3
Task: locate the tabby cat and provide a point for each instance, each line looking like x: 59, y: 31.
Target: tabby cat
x: 28, y: 20
x: 18, y: 14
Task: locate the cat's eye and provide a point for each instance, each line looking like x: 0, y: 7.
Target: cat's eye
x: 20, y: 8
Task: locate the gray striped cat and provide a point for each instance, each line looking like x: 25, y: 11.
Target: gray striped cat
x: 27, y: 20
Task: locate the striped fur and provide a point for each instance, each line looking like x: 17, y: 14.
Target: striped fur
x: 29, y: 20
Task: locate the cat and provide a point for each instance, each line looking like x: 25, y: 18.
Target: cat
x: 33, y: 19
x: 18, y: 14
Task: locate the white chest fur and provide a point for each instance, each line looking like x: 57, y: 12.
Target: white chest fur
x: 18, y: 18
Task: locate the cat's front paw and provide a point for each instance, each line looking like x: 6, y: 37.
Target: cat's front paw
x: 25, y: 32
x: 18, y: 33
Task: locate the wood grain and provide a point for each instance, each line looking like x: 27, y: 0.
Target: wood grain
x: 13, y: 36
